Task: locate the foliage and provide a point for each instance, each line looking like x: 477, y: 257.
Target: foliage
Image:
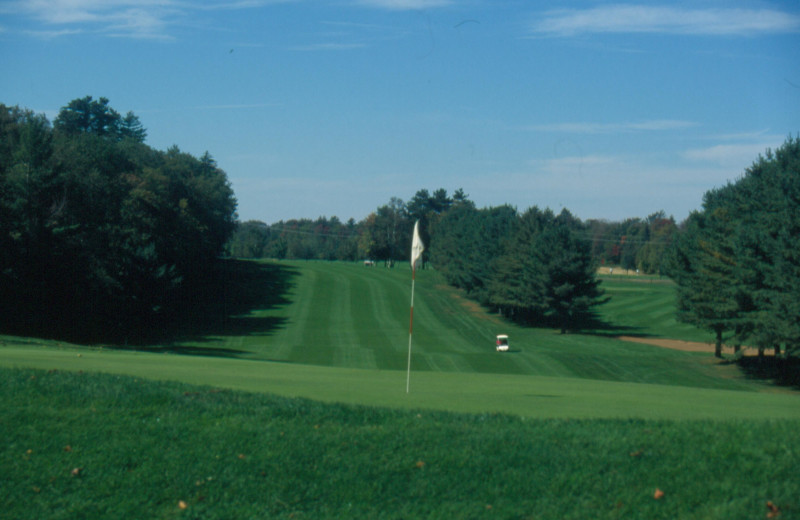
x: 85, y: 115
x: 546, y: 272
x: 97, y: 228
x: 633, y: 243
x: 303, y: 239
x: 737, y: 264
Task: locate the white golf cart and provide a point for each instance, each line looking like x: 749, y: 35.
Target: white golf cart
x: 502, y: 343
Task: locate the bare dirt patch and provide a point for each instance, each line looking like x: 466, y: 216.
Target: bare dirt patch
x: 688, y: 346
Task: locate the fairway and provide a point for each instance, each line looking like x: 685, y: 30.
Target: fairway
x: 347, y: 315
x: 338, y: 332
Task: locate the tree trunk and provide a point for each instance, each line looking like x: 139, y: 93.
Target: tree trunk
x: 718, y: 345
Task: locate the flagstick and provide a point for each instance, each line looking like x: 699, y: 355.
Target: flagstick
x: 410, y: 328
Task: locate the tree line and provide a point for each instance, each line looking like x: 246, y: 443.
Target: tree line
x: 98, y: 228
x: 534, y: 267
x: 737, y: 262
x: 384, y: 235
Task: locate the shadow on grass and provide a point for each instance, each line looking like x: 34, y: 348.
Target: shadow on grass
x: 231, y: 304
x: 595, y: 326
x: 779, y: 371
x: 232, y: 298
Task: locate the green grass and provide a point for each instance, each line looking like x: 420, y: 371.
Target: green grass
x: 346, y: 315
x: 338, y: 332
x: 523, y: 395
x: 100, y: 446
x: 563, y: 426
x: 642, y: 306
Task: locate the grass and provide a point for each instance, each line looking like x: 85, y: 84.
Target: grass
x: 645, y: 306
x: 523, y: 395
x: 337, y: 332
x: 97, y: 446
x: 346, y: 315
x: 285, y: 398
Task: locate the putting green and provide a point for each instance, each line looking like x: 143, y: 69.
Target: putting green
x: 524, y: 395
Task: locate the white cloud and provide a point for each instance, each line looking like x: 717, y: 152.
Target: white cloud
x: 669, y: 20
x: 128, y: 18
x: 603, y: 128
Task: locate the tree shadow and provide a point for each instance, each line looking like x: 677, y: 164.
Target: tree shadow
x: 779, y: 371
x: 231, y: 303
x: 593, y: 325
x: 231, y: 298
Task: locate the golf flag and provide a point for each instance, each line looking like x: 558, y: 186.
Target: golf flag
x: 416, y: 247
x: 416, y: 255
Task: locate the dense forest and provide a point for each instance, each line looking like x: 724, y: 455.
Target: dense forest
x: 98, y: 228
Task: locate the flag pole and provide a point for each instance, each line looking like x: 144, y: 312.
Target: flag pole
x: 416, y: 255
x: 410, y: 328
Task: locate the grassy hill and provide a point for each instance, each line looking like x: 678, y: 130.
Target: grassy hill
x: 346, y: 315
x: 339, y: 332
x: 562, y: 426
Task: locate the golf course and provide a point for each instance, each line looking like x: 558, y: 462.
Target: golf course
x: 282, y: 393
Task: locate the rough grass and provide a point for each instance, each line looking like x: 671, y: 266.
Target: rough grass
x: 102, y: 446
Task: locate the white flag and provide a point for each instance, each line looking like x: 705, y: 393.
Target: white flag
x: 416, y: 247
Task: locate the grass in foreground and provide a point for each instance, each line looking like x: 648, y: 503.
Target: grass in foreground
x: 101, y: 446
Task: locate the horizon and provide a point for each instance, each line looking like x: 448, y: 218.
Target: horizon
x: 611, y: 111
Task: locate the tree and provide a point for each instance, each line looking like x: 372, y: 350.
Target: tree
x: 132, y: 128
x: 97, y: 228
x: 546, y: 272
x: 566, y: 281
x: 702, y: 265
x: 736, y: 264
x: 87, y: 116
x: 662, y: 232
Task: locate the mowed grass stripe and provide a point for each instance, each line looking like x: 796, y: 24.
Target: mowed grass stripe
x: 646, y: 308
x: 303, y: 338
x: 384, y: 328
x: 320, y: 331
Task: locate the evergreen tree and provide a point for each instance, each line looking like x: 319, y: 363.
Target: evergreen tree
x: 566, y: 284
x: 737, y: 265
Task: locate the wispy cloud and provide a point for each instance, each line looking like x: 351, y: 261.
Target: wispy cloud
x: 668, y: 20
x: 606, y: 128
x: 404, y: 5
x: 739, y: 154
x: 150, y: 19
x: 329, y: 46
x: 129, y: 18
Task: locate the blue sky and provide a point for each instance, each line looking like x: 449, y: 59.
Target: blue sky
x: 611, y: 110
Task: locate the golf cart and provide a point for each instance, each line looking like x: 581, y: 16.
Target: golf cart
x: 502, y: 343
